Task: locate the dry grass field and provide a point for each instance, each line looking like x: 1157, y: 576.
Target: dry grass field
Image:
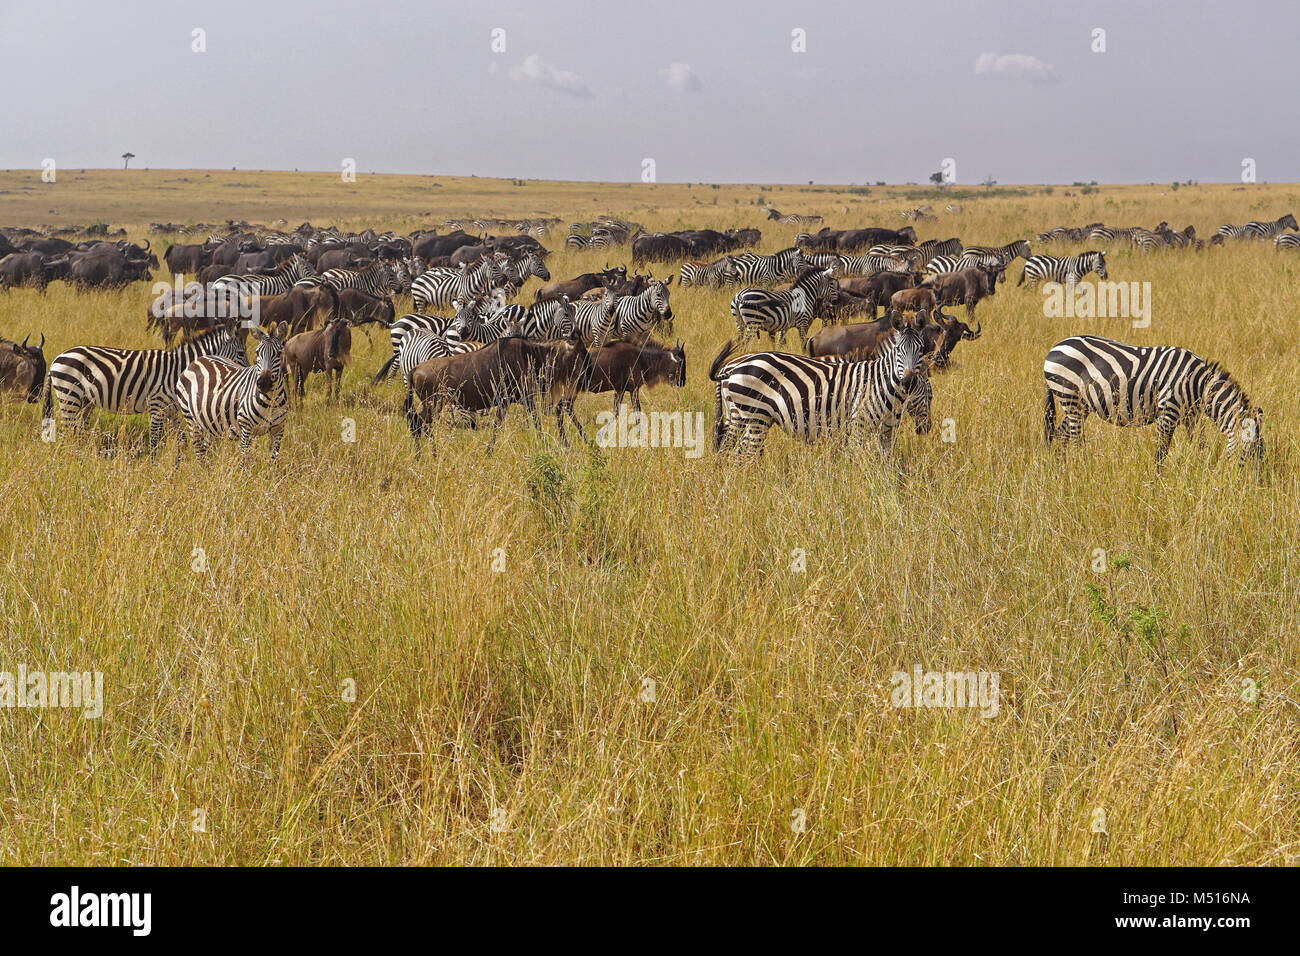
x: 683, y: 660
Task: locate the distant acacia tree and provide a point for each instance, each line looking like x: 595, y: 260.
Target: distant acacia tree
x: 126, y: 159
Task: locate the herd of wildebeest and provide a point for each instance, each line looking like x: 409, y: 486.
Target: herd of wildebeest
x: 468, y: 347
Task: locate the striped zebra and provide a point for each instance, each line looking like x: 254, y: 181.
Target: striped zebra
x: 1130, y: 385
x: 518, y: 270
x: 417, y: 347
x: 377, y: 279
x: 1288, y: 240
x: 910, y: 254
x: 760, y: 310
x: 599, y: 239
x: 940, y: 247
x: 795, y: 220
x: 710, y: 274
x: 278, y: 282
x: 437, y: 324
x: 942, y: 265
x: 1267, y: 230
x: 219, y: 399
x: 1000, y: 256
x: 1064, y: 270
x: 441, y: 287
x: 470, y: 325
x: 547, y: 318
x: 130, y: 381
x: 632, y: 317
x: 752, y: 268
x: 812, y: 398
x: 1228, y: 232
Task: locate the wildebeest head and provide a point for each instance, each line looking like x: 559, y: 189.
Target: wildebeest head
x: 946, y: 333
x: 22, y: 367
x: 676, y: 376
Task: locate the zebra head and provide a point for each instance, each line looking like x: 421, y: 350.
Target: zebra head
x: 563, y: 312
x: 908, y: 347
x: 466, y: 320
x: 1099, y: 263
x: 1288, y: 222
x: 270, y: 354
x: 657, y: 290
x: 530, y: 265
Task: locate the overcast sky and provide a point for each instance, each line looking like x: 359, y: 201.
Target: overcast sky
x: 712, y: 92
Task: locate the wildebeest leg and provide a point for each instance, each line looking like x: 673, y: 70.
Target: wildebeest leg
x: 568, y: 407
x: 636, y: 400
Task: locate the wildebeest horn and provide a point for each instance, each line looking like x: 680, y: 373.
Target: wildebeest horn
x: 42, y: 345
x: 147, y: 244
x: 25, y: 338
x: 976, y: 333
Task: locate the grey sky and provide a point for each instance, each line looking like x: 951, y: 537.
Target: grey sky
x: 711, y: 91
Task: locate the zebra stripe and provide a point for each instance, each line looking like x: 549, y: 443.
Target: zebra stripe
x: 760, y: 310
x: 441, y: 287
x: 1288, y: 240
x: 129, y: 381
x: 752, y: 268
x: 710, y: 274
x: 1130, y: 385
x: 377, y: 279
x: 1063, y: 270
x: 811, y: 398
x: 549, y: 318
x: 1266, y: 230
x: 219, y: 399
x: 278, y: 282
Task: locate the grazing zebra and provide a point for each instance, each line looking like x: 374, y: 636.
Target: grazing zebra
x: 632, y: 317
x: 377, y: 279
x: 940, y: 247
x: 869, y: 264
x: 811, y: 398
x: 441, y: 287
x: 1288, y: 240
x: 278, y: 282
x: 1001, y: 256
x: 711, y: 274
x: 130, y: 381
x: 752, y: 268
x: 1267, y: 230
x: 1229, y: 232
x: 795, y: 220
x: 1130, y: 385
x: 759, y: 310
x: 1064, y: 270
x: 219, y: 399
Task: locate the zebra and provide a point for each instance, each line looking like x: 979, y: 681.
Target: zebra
x: 129, y: 381
x: 1001, y: 256
x: 1131, y: 385
x: 1288, y: 240
x: 443, y: 286
x: 794, y: 219
x: 1063, y: 270
x: 219, y: 399
x: 711, y: 274
x: 518, y: 270
x: 547, y: 318
x: 911, y: 254
x: 632, y: 317
x: 420, y: 345
x: 437, y: 324
x: 942, y: 265
x: 811, y: 398
x: 941, y: 247
x: 1267, y: 230
x: 759, y: 310
x: 591, y: 318
x: 599, y: 239
x: 752, y: 268
x: 377, y: 279
x: 278, y: 282
x: 471, y: 325
x: 1229, y: 232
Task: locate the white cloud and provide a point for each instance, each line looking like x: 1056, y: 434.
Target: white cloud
x: 1016, y: 66
x: 682, y: 78
x: 543, y: 74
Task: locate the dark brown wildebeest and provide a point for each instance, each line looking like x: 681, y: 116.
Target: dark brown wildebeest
x: 859, y: 340
x: 22, y: 368
x: 912, y: 300
x: 965, y: 287
x: 187, y: 258
x: 301, y: 307
x: 942, y: 336
x: 24, y: 268
x: 327, y: 350
x: 360, y: 307
x: 626, y: 368
x: 880, y: 288
x: 855, y: 239
x: 511, y: 371
x: 575, y: 287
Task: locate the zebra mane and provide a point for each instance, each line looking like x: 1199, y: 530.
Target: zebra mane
x: 207, y: 335
x: 1218, y: 375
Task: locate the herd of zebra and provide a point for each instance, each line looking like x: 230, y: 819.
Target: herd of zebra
x: 463, y: 305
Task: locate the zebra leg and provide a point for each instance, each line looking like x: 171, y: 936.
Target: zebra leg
x: 1166, y: 425
x: 157, y: 420
x: 273, y: 437
x: 1072, y: 417
x: 751, y: 440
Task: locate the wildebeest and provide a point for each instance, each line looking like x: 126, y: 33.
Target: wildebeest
x: 327, y: 350
x: 187, y: 258
x: 575, y: 287
x: 24, y: 268
x: 627, y: 367
x: 880, y: 288
x: 22, y: 368
x: 511, y: 371
x: 912, y: 300
x: 360, y: 307
x: 301, y: 307
x: 965, y: 287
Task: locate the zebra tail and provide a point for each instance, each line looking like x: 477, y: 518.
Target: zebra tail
x: 1022, y: 276
x: 384, y: 370
x: 1049, y: 416
x: 721, y: 360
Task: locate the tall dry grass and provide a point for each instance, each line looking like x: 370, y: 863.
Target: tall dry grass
x: 510, y: 717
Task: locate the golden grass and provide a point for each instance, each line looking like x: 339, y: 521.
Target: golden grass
x: 519, y: 697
